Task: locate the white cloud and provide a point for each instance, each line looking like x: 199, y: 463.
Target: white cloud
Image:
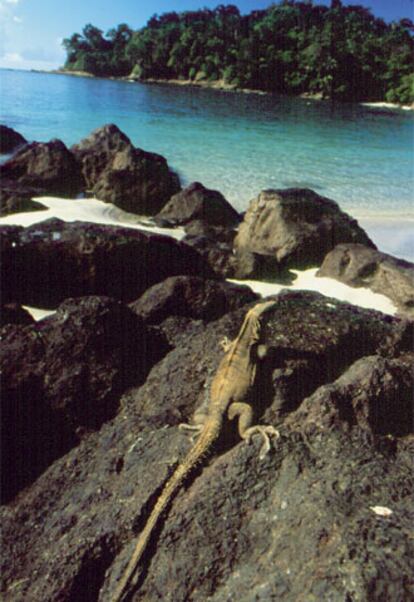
x: 12, y: 57
x: 17, y: 19
x: 6, y: 10
x: 14, y: 60
x: 11, y: 1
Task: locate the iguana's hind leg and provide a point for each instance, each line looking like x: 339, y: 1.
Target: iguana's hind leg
x: 196, y: 428
x: 246, y: 431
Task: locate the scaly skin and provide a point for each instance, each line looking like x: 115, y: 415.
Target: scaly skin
x: 230, y: 386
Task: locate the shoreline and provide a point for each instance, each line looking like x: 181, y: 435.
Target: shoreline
x: 393, y: 234
x: 95, y: 211
x: 221, y: 86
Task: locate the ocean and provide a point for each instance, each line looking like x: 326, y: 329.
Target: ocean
x: 240, y: 144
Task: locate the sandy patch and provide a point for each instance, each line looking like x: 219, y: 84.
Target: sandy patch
x: 87, y: 210
x: 307, y: 280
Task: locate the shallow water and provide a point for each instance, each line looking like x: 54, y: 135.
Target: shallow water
x: 237, y: 143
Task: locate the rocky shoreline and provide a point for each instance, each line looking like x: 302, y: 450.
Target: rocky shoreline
x: 221, y: 86
x: 92, y: 395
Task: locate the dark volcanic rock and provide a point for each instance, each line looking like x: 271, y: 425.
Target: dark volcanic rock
x: 110, y: 349
x: 192, y: 297
x: 357, y: 265
x: 32, y: 435
x: 218, y: 255
x: 375, y: 393
x: 258, y: 266
x: 15, y: 198
x: 297, y: 227
x: 64, y: 375
x: 301, y: 524
x: 10, y: 140
x: 216, y: 246
x: 400, y: 339
x: 53, y: 260
x: 199, y: 203
x: 133, y: 179
x: 14, y: 314
x: 96, y: 152
x: 209, y: 222
x: 219, y: 234
x: 314, y: 339
x: 48, y: 166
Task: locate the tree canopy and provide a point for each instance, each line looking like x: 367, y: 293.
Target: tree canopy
x: 292, y: 47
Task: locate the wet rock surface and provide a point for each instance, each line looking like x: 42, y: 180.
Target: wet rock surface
x: 50, y: 261
x: 115, y: 171
x: 296, y: 226
x: 357, y: 265
x: 10, y: 140
x: 326, y: 515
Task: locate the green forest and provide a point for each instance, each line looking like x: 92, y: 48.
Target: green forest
x: 337, y: 52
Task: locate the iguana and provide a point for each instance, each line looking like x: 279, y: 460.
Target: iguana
x: 230, y: 386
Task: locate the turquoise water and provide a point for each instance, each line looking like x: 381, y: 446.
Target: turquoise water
x: 237, y: 143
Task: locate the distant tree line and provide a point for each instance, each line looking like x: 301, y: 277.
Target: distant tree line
x: 340, y: 52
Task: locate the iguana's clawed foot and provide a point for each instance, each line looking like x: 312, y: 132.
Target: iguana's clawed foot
x: 225, y: 343
x: 267, y: 432
x: 196, y: 428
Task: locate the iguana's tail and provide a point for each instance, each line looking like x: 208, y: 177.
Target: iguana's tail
x: 194, y: 457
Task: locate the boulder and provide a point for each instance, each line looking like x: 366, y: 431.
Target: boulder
x: 257, y: 266
x: 49, y: 167
x: 216, y: 246
x: 199, y: 203
x: 49, y: 401
x: 199, y: 227
x: 296, y: 226
x: 15, y: 198
x: 32, y: 434
x: 96, y: 152
x: 192, y: 297
x: 214, y: 243
x: 375, y: 393
x: 357, y: 265
x: 116, y: 172
x: 218, y: 255
x: 52, y: 260
x: 10, y: 140
x: 315, y: 520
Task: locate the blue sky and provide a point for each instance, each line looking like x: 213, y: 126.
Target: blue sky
x: 31, y: 31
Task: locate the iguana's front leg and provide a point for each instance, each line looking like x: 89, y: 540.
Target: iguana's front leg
x: 245, y: 413
x: 226, y: 344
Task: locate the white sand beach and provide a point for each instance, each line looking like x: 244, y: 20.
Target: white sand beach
x: 85, y: 210
x: 387, y: 105
x: 95, y: 211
